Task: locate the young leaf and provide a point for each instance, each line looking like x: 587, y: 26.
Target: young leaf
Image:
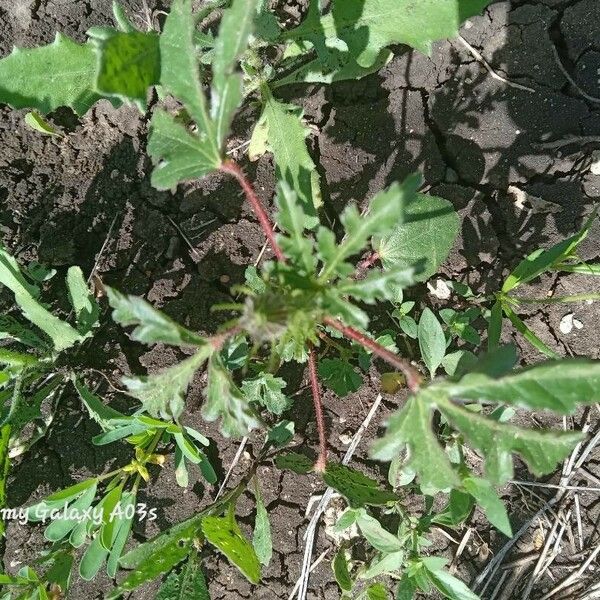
x: 432, y: 341
x: 62, y: 334
x: 286, y: 139
x: 541, y: 450
x: 495, y: 326
x: 187, y: 584
x: 542, y: 260
x: 162, y: 394
x: 261, y: 540
x: 292, y: 219
x: 356, y: 487
x: 379, y: 285
x: 266, y: 391
x: 383, y: 564
x: 377, y: 591
x: 341, y: 570
x: 385, y: 209
x: 376, y: 535
x: 226, y: 92
x: 447, y: 584
x: 533, y: 339
x: 363, y: 30
x: 339, y: 376
x: 121, y: 18
x: 46, y: 78
x: 559, y: 386
x: 128, y: 63
x: 487, y: 498
x: 99, y: 412
x: 61, y: 527
x: 84, y: 304
x: 152, y: 325
x: 425, y: 237
x: 294, y: 462
x: 411, y: 427
x: 122, y: 530
x: 458, y: 509
x: 225, y: 535
x: 92, y: 559
x: 38, y: 123
x: 226, y: 401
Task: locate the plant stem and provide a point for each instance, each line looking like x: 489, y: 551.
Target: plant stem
x: 316, y: 394
x: 233, y: 169
x: 413, y: 377
x: 557, y: 299
x: 368, y: 262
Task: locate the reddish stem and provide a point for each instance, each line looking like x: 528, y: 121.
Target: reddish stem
x: 233, y: 169
x: 316, y: 394
x: 413, y: 377
x: 368, y: 262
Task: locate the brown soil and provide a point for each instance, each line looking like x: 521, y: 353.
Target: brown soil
x: 471, y: 136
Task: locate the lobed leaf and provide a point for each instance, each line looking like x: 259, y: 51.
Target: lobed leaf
x: 187, y: 584
x: 48, y: 77
x: 265, y: 389
x: 339, y: 375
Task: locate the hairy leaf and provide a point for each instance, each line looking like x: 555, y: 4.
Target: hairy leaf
x: 411, y: 427
x: 225, y: 535
x: 187, y: 584
x: 379, y: 285
x: 99, y: 412
x: 286, y: 138
x: 356, y: 487
x: 299, y: 463
x: 425, y: 237
x: 376, y: 535
x: 46, y: 78
x: 162, y: 394
x: 226, y: 92
x: 541, y: 450
x: 128, y: 63
x: 84, y: 304
x: 152, y: 325
x: 261, y: 540
x: 487, y: 498
x: 447, y: 584
x: 559, y: 386
x: 226, y: 401
x: 265, y: 389
x: 385, y: 210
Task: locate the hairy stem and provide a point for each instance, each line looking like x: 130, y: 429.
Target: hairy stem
x: 233, y: 169
x: 316, y: 394
x: 413, y: 377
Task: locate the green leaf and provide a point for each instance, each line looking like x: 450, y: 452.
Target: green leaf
x: 92, y: 559
x: 60, y: 528
x: 162, y: 394
x: 533, y: 339
x: 225, y: 535
x: 385, y: 210
x: 340, y: 376
x: 11, y: 328
x: 152, y: 325
x: 560, y: 386
x: 293, y: 461
x: 341, y: 571
x: 385, y: 564
x: 425, y: 237
x: 377, y: 591
x: 487, y: 498
x: 226, y: 92
x: 447, y: 584
x: 541, y: 450
x: 122, y: 531
x: 128, y: 64
x: 376, y: 535
x: 121, y: 18
x: 379, y: 285
x: 99, y: 412
x: 457, y: 511
x: 356, y: 487
x: 72, y: 491
x: 406, y: 589
x: 38, y: 123
x: 188, y: 584
x: 226, y: 401
x: 261, y: 539
x: 411, y: 427
x: 542, y: 260
x: 5, y: 431
x: 266, y: 391
x: 292, y: 219
x: 62, y: 334
x: 432, y: 341
x: 362, y: 30
x: 495, y: 326
x: 314, y: 71
x: 84, y: 304
x: 286, y: 138
x: 46, y: 78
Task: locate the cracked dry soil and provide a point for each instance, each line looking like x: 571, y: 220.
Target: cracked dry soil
x: 471, y: 136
